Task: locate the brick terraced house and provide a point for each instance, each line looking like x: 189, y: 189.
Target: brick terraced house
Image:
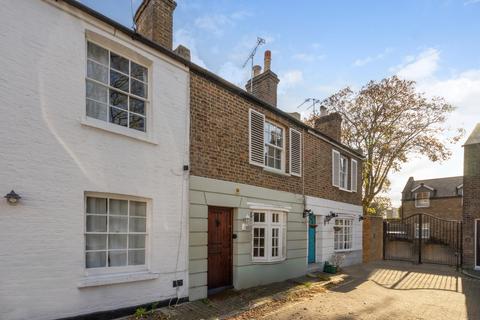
x: 254, y: 173
x: 442, y: 197
x: 471, y: 201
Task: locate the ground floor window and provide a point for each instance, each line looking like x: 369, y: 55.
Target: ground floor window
x: 268, y: 236
x: 115, y: 232
x: 343, y: 237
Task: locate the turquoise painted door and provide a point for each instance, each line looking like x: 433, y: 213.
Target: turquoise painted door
x: 311, y: 238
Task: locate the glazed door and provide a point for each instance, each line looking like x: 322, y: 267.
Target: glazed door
x: 311, y: 239
x: 219, y: 247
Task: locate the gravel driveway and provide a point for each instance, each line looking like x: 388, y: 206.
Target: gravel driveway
x: 392, y: 290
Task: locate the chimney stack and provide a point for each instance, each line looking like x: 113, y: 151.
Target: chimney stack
x: 154, y: 20
x: 264, y: 84
x: 329, y: 124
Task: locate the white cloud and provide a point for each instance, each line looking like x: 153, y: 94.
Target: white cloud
x: 469, y: 2
x: 308, y: 57
x: 234, y: 73
x: 290, y: 79
x: 364, y: 61
x: 419, y: 67
x: 184, y: 37
x: 216, y: 23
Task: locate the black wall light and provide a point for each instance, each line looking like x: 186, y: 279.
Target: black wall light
x: 12, y: 197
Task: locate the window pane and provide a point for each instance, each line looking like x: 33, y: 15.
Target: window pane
x: 138, y: 224
x: 118, y: 99
x: 117, y: 241
x: 97, y: 92
x: 139, y: 72
x: 278, y: 164
x: 118, y: 207
x: 137, y: 122
x: 117, y: 258
x: 118, y: 80
x: 118, y: 224
x: 97, y: 71
x: 118, y: 63
x: 139, y: 88
x: 96, y: 223
x: 96, y: 242
x: 138, y: 208
x: 96, y: 205
x: 95, y: 259
x: 137, y: 106
x: 136, y: 257
x: 118, y: 116
x: 97, y: 53
x: 136, y: 241
x: 96, y: 110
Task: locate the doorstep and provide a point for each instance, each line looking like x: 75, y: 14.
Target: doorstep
x: 231, y: 303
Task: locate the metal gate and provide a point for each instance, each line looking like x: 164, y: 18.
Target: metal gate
x: 423, y: 238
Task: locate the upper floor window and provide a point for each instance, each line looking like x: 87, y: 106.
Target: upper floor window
x: 273, y: 146
x: 342, y: 177
x: 115, y: 232
x: 422, y: 199
x: 117, y: 88
x: 267, y: 145
x: 268, y: 236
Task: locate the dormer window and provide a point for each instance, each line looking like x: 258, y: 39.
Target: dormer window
x: 422, y: 199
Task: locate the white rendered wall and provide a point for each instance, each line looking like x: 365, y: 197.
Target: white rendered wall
x: 50, y: 158
x: 325, y: 233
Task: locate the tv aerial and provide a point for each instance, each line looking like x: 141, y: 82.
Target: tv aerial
x: 260, y: 41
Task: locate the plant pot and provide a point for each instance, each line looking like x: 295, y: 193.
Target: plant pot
x: 328, y: 268
x: 313, y: 225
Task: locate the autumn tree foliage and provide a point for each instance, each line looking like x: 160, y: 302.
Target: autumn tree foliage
x: 389, y: 121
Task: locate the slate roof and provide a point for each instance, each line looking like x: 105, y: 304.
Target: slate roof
x: 442, y: 187
x: 474, y: 137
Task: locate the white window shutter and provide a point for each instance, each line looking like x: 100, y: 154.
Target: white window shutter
x: 335, y: 168
x: 295, y: 153
x: 354, y: 176
x: 257, y: 145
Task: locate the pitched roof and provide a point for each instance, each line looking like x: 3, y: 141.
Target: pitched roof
x: 208, y: 74
x: 442, y: 187
x: 474, y: 137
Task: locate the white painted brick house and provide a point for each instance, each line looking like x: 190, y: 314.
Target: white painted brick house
x: 94, y: 129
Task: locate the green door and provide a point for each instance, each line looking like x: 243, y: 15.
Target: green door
x: 311, y: 238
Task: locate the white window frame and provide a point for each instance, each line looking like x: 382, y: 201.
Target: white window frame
x: 268, y: 225
x: 345, y: 173
x: 342, y: 246
x: 425, y: 230
x: 282, y: 148
x: 418, y: 203
x: 354, y: 177
x: 133, y: 55
x: 117, y: 269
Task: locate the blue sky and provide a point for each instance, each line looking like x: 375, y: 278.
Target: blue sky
x: 319, y: 47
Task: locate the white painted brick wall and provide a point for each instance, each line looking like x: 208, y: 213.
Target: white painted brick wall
x: 50, y: 159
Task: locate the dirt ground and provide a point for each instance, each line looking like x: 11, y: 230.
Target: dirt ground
x: 390, y: 290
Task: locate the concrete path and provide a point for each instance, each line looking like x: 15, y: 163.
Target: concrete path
x: 392, y: 290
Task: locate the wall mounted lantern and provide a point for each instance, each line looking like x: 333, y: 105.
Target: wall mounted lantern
x: 330, y: 217
x: 12, y: 197
x: 360, y: 218
x: 307, y: 213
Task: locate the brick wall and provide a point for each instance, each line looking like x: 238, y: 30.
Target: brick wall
x: 219, y: 145
x: 444, y: 208
x: 372, y: 239
x: 154, y: 20
x: 331, y: 125
x: 471, y: 201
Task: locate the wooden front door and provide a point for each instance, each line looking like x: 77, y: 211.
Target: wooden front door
x: 219, y: 247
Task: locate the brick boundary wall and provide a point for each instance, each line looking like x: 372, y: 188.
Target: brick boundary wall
x: 372, y: 239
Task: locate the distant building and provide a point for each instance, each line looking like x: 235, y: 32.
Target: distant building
x: 471, y: 205
x: 442, y: 197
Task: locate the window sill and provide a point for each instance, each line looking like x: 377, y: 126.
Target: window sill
x: 116, y: 129
x: 344, y: 250
x: 103, y: 280
x: 269, y: 262
x: 275, y: 171
x: 346, y: 190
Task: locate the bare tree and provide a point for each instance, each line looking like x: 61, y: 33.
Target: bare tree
x: 389, y: 121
